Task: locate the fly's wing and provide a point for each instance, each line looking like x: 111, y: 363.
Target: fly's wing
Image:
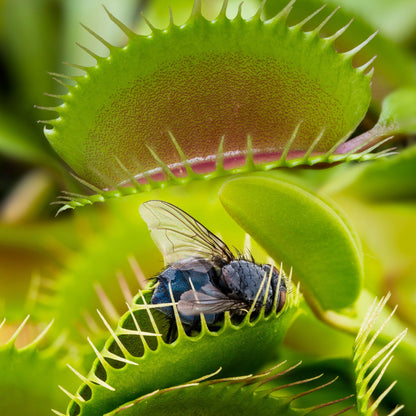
x: 209, y: 300
x: 179, y: 236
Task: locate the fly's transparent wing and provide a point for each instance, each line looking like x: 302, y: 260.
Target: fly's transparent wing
x: 179, y: 236
x: 209, y: 300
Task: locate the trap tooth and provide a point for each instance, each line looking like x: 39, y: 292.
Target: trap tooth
x: 223, y: 12
x: 126, y: 30
x: 197, y: 9
x: 284, y: 13
x: 108, y: 45
x: 60, y: 97
x: 75, y: 398
x: 13, y: 338
x: 339, y: 32
x: 149, y: 24
x: 310, y: 17
x: 325, y: 21
x: 365, y: 66
x: 81, y: 67
x: 260, y: 10
x: 351, y: 53
x: 89, y: 52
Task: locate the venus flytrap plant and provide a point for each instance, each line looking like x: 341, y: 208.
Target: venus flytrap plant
x: 193, y: 105
x: 300, y: 143
x: 295, y: 104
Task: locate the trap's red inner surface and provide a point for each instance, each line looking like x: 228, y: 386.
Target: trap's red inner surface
x: 202, y: 99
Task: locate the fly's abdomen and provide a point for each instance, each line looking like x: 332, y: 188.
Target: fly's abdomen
x: 179, y: 281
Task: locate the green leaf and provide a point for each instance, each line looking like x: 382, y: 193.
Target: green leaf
x: 398, y: 114
x: 29, y: 40
x: 240, y: 81
x: 301, y: 230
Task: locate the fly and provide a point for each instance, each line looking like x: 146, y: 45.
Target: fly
x: 202, y: 273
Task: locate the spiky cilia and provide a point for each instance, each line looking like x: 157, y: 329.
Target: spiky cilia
x: 137, y: 358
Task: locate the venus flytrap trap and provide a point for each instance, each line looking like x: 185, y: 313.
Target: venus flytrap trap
x: 210, y: 99
x: 209, y: 103
x: 141, y: 356
x: 291, y: 224
x: 138, y: 358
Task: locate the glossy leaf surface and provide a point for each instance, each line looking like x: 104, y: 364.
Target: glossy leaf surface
x: 303, y: 231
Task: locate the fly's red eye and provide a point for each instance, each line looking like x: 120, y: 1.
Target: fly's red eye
x: 282, y: 300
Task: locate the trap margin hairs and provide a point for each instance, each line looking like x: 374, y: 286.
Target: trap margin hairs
x: 137, y: 360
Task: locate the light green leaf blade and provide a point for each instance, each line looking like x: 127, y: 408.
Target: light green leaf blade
x: 29, y: 41
x: 303, y: 231
x: 399, y: 111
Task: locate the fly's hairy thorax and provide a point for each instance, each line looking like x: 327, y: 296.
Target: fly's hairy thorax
x: 242, y: 280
